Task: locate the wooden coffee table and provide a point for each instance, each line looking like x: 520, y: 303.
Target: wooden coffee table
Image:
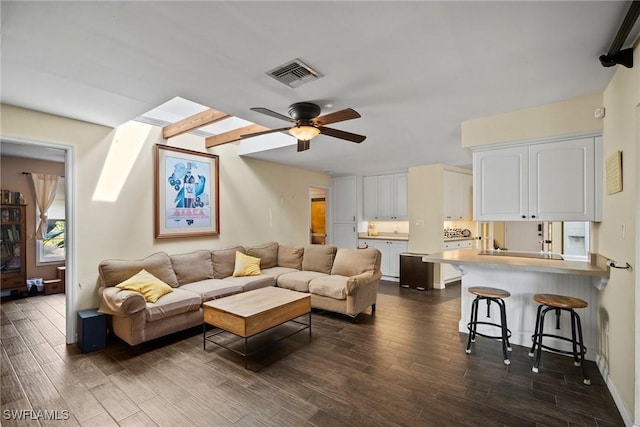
x: 252, y: 312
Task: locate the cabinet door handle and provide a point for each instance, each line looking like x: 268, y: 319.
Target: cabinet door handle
x: 533, y: 216
x: 524, y: 216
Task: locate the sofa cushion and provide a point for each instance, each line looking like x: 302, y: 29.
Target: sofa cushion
x: 177, y: 302
x: 276, y: 272
x: 114, y: 271
x: 224, y: 261
x: 268, y: 254
x: 298, y: 281
x: 212, y: 288
x: 351, y: 262
x: 193, y: 266
x: 250, y: 283
x: 318, y: 258
x: 147, y: 284
x: 333, y: 286
x: 246, y: 265
x: 290, y: 257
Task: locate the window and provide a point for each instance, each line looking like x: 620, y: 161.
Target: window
x: 52, y: 248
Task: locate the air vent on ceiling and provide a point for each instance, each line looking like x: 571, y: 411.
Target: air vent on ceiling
x: 294, y: 73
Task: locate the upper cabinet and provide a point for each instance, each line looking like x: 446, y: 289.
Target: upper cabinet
x: 500, y: 186
x: 344, y: 196
x: 344, y: 199
x: 549, y: 181
x: 386, y: 197
x: 458, y: 195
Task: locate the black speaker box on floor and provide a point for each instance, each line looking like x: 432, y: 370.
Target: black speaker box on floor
x: 92, y: 331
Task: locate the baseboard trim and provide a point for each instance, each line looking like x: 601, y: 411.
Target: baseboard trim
x: 628, y: 422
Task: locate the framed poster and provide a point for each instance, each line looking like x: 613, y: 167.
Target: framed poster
x: 186, y: 193
x: 613, y: 170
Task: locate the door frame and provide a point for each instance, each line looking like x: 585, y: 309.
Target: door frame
x: 327, y: 219
x: 70, y: 227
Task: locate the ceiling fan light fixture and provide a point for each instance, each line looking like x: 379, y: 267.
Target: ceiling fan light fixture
x: 304, y: 132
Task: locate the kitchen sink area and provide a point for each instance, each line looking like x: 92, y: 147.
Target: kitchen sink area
x: 535, y: 255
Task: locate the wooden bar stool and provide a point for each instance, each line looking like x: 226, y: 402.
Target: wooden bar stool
x: 559, y: 303
x: 490, y: 295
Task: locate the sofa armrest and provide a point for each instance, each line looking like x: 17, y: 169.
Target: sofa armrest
x: 119, y: 302
x: 362, y: 279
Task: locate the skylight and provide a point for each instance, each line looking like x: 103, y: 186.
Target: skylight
x: 179, y: 108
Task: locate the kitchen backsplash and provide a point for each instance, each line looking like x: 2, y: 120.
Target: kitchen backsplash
x: 390, y: 226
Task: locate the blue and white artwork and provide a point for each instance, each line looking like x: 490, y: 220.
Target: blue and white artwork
x: 187, y: 193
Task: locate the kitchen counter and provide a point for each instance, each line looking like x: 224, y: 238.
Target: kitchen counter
x: 467, y: 257
x: 523, y: 277
x: 385, y: 236
x: 457, y: 239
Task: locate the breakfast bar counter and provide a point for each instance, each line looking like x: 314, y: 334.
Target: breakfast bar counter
x: 524, y: 261
x: 526, y: 274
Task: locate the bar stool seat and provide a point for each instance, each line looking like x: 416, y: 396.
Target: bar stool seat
x: 490, y: 295
x: 559, y: 303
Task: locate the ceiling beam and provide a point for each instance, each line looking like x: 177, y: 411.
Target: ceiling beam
x: 233, y: 135
x: 203, y: 118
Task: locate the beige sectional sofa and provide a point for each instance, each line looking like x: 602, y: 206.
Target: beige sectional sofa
x: 339, y: 280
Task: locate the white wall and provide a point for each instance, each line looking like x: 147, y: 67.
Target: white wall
x: 618, y: 312
x: 426, y: 209
x: 259, y: 201
x: 566, y: 117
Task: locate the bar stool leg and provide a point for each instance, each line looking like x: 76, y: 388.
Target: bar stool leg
x: 472, y: 324
x: 534, y: 337
x: 586, y: 380
x: 505, y: 338
x: 536, y: 363
x: 574, y: 343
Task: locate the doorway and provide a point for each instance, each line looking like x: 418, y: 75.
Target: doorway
x: 318, y: 215
x: 59, y: 153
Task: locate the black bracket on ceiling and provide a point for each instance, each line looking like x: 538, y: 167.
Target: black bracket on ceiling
x: 616, y: 55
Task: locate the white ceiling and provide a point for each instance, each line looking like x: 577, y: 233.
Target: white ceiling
x: 413, y: 70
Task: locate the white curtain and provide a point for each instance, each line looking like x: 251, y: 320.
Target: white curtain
x: 45, y: 190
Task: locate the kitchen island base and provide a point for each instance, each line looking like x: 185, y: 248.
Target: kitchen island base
x: 522, y: 309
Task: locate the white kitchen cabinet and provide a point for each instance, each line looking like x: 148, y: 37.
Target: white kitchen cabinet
x: 345, y: 236
x: 386, y: 197
x: 401, y: 195
x: 458, y: 195
x: 550, y: 181
x: 344, y: 197
x: 390, y: 254
x: 370, y: 197
x: 500, y: 184
x: 562, y: 181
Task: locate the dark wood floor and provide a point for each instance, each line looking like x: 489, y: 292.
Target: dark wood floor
x: 404, y: 366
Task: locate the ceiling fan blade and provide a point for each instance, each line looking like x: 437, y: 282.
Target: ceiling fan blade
x: 303, y: 145
x: 338, y: 116
x: 251, y: 135
x: 353, y: 137
x: 272, y: 114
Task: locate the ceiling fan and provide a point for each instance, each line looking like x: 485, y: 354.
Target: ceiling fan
x: 307, y: 123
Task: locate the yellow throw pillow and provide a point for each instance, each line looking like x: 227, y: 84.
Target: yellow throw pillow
x: 246, y: 265
x: 147, y: 284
